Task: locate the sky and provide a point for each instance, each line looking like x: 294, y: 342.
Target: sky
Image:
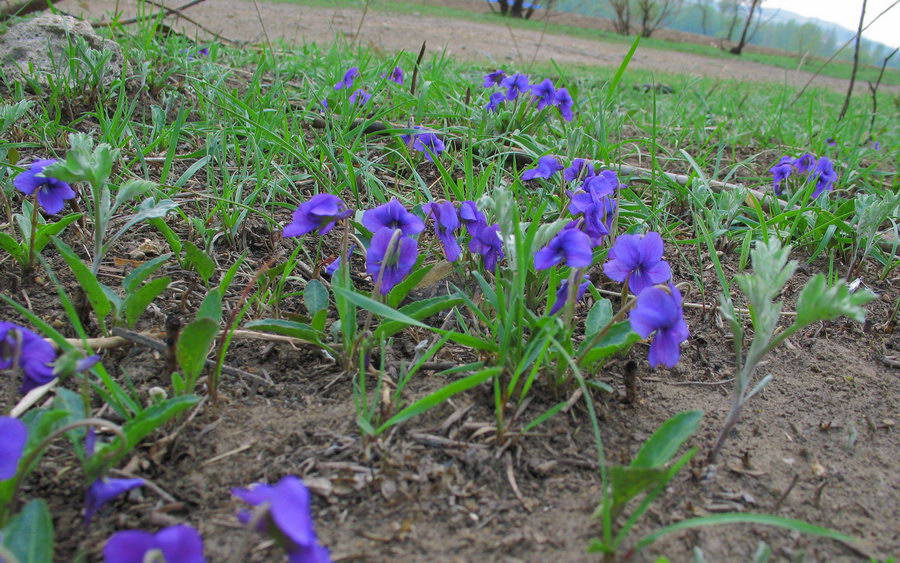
x: 846, y: 13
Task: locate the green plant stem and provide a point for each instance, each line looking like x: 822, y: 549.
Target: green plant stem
x: 29, y: 264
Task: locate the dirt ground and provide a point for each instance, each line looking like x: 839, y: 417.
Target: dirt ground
x: 238, y: 20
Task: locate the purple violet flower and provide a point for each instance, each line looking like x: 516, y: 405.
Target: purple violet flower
x: 392, y: 215
x: 51, y: 193
x: 360, y: 97
x: 493, y: 105
x: 104, y: 490
x: 390, y: 258
x: 570, y: 246
x: 347, y: 81
x: 288, y: 518
x: 396, y: 75
x: 446, y: 223
x: 425, y: 142
x: 660, y: 311
x: 469, y: 216
x: 331, y: 268
x: 825, y: 176
x: 546, y: 167
x: 562, y: 294
x: 176, y: 544
x: 494, y: 78
x: 486, y: 242
x: 515, y: 85
x: 564, y: 103
x: 780, y: 172
x: 802, y: 164
x: 602, y: 184
x: 320, y: 212
x: 638, y: 261
x: 580, y: 170
x: 33, y: 355
x: 831, y: 142
x: 875, y: 145
x: 13, y: 435
x: 544, y: 93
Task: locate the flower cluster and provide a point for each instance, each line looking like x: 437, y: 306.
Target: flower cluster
x: 394, y: 250
x: 543, y: 94
x: 821, y: 171
x: 638, y: 262
x: 360, y: 96
x: 635, y: 260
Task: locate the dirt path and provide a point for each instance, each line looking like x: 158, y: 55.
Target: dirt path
x: 238, y: 20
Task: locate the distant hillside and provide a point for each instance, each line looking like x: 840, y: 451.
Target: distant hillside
x: 776, y: 29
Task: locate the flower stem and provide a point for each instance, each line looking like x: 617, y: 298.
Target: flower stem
x: 29, y: 264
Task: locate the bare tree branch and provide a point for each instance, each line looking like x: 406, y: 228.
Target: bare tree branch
x: 862, y: 17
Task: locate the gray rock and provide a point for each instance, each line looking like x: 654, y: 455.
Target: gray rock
x: 39, y: 48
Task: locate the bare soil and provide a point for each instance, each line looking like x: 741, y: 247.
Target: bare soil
x: 239, y: 20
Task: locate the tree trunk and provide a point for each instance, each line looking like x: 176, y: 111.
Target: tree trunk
x: 736, y: 50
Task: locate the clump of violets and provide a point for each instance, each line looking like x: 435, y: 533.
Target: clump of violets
x: 638, y: 261
x: 23, y: 349
x: 821, y: 171
x: 13, y: 435
x: 319, y: 213
x: 283, y: 513
x: 426, y: 142
x: 544, y: 94
x: 175, y: 544
x: 658, y: 312
x: 546, y: 167
x: 51, y: 192
x: 347, y: 80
